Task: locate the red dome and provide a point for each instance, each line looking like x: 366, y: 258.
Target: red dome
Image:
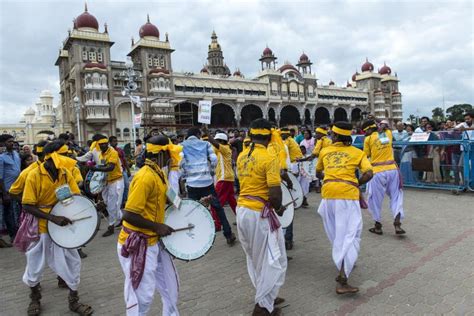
x: 385, y: 70
x: 304, y: 58
x: 348, y: 85
x: 204, y: 69
x: 86, y: 20
x: 331, y: 83
x: 354, y: 76
x: 237, y: 73
x: 286, y: 67
x: 367, y: 66
x: 267, y: 52
x: 149, y: 29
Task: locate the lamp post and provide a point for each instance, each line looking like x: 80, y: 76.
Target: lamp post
x: 77, y: 107
x: 131, y: 76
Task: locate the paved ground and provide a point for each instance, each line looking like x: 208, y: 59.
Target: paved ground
x: 430, y: 271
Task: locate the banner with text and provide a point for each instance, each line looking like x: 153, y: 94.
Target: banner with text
x: 204, y: 111
x: 137, y: 121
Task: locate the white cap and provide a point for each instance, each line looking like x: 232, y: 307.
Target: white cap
x: 384, y: 122
x: 221, y: 136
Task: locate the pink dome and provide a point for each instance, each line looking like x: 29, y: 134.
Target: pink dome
x: 367, y: 66
x: 385, y: 70
x: 304, y: 58
x: 267, y: 52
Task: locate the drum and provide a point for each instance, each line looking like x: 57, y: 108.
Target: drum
x: 297, y: 191
x: 287, y: 201
x: 81, y: 211
x: 195, y: 230
x: 95, y: 182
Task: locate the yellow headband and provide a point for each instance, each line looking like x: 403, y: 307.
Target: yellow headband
x: 340, y: 131
x: 370, y: 126
x: 155, y: 149
x: 285, y: 132
x: 61, y: 161
x: 39, y: 149
x: 260, y: 131
x: 321, y: 131
x: 63, y: 150
x: 95, y: 145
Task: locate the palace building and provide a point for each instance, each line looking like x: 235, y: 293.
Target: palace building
x: 287, y: 95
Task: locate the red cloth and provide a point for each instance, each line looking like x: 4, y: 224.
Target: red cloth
x: 135, y: 246
x: 217, y: 222
x: 27, y: 233
x: 225, y: 193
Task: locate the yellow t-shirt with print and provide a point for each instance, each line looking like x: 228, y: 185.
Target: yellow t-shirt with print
x: 224, y: 171
x: 377, y: 151
x: 19, y: 184
x: 147, y: 198
x: 293, y: 149
x: 256, y: 174
x: 320, y: 144
x: 341, y: 162
x: 112, y: 156
x: 276, y: 150
x: 40, y: 191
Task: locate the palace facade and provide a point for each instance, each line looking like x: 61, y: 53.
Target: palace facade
x: 287, y: 95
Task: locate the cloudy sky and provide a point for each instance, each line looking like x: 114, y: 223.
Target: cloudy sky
x: 430, y: 44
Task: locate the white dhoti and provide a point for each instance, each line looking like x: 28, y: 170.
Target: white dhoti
x: 66, y: 263
x: 342, y: 221
x: 385, y: 182
x: 266, y: 255
x: 304, y: 182
x: 112, y: 196
x: 159, y: 275
x: 173, y: 180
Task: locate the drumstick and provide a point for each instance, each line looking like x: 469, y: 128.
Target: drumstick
x: 190, y: 226
x: 292, y: 201
x: 80, y: 219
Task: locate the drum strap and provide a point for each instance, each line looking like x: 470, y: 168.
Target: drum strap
x: 135, y: 246
x: 362, y: 202
x: 267, y: 211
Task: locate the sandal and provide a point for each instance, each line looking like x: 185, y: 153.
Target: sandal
x: 34, y: 308
x: 398, y: 229
x: 76, y: 307
x: 343, y: 287
x: 278, y: 301
x: 377, y: 229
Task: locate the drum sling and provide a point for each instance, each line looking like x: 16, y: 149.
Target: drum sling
x: 135, y: 246
x: 267, y: 211
x: 362, y: 202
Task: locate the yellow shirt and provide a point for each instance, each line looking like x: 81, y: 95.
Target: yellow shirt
x: 76, y: 173
x: 175, y: 152
x: 40, y: 191
x: 275, y: 150
x: 320, y: 144
x: 378, y: 152
x: 19, y: 184
x: 224, y: 171
x: 111, y: 156
x: 147, y: 198
x: 256, y: 174
x: 293, y: 149
x: 341, y: 162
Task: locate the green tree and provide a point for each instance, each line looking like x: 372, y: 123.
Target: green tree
x: 438, y: 115
x: 457, y: 111
x: 412, y: 118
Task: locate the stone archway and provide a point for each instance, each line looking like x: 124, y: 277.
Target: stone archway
x: 340, y: 115
x: 249, y: 113
x: 322, y: 116
x: 289, y: 115
x: 186, y: 114
x: 356, y: 115
x: 307, y: 117
x: 222, y: 115
x: 271, y: 115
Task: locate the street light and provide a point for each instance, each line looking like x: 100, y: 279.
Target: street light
x: 77, y: 107
x: 131, y: 76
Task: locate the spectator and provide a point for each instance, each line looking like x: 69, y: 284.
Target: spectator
x: 26, y: 160
x: 308, y: 141
x: 113, y: 141
x: 138, y: 148
x: 422, y: 128
x: 299, y: 138
x: 400, y: 134
x: 433, y: 152
x: 27, y: 151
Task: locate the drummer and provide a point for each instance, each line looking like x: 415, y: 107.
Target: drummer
x: 38, y: 199
x: 143, y: 225
x: 340, y: 205
x: 113, y: 192
x: 259, y: 230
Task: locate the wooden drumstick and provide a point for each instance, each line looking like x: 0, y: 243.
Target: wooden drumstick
x: 190, y: 226
x: 292, y: 201
x: 80, y: 219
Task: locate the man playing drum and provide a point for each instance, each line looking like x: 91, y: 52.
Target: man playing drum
x: 143, y: 225
x: 259, y: 229
x: 387, y: 178
x: 340, y: 208
x: 39, y: 197
x: 113, y: 192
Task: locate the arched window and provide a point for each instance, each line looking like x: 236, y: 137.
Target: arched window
x: 126, y: 132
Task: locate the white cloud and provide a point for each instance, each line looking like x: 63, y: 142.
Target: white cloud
x: 429, y: 46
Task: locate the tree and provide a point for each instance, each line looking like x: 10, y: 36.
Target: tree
x: 457, y: 111
x: 412, y: 118
x: 438, y: 114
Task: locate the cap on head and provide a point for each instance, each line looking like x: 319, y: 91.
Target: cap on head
x: 221, y: 136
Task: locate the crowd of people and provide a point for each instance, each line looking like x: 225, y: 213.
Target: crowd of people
x: 241, y: 168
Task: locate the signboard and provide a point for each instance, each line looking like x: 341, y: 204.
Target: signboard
x: 204, y: 111
x: 419, y: 137
x: 137, y: 120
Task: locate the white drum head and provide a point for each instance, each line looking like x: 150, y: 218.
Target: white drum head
x: 97, y: 182
x: 190, y: 244
x: 297, y: 191
x: 287, y: 217
x: 84, y: 227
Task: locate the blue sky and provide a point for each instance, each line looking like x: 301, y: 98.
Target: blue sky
x: 430, y: 44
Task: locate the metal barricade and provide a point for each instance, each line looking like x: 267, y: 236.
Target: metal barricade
x: 445, y: 160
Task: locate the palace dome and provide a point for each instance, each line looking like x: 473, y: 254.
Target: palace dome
x: 331, y: 83
x: 354, y: 76
x: 86, y: 20
x: 304, y: 58
x: 367, y: 66
x: 267, y: 52
x: 385, y: 70
x: 149, y: 29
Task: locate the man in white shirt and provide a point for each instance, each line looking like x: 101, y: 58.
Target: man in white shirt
x: 400, y: 133
x: 421, y: 129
